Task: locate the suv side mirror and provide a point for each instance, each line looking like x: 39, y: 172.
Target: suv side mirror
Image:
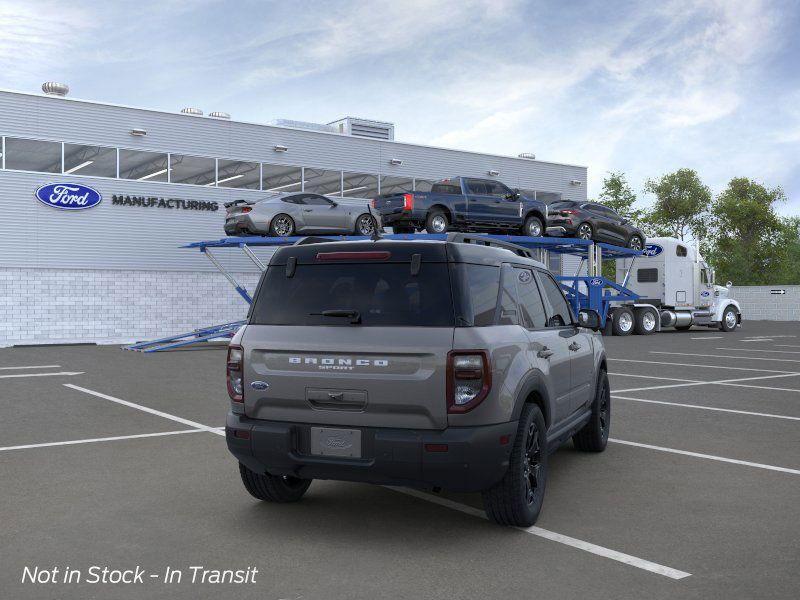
x: 334, y: 204
x: 589, y: 319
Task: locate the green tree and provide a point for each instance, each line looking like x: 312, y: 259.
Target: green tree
x: 681, y: 206
x: 618, y: 196
x: 750, y: 243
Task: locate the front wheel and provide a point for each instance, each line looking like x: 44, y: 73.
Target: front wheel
x: 729, y: 320
x: 517, y: 499
x: 533, y: 227
x: 366, y: 225
x: 594, y: 435
x: 437, y: 222
x: 273, y: 488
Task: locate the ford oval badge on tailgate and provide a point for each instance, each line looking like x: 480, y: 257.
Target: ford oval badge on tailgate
x: 68, y: 196
x: 259, y: 385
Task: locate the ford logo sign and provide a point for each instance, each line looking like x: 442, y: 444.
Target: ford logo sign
x: 705, y: 293
x: 68, y: 196
x: 595, y: 282
x: 259, y: 385
x: 652, y: 250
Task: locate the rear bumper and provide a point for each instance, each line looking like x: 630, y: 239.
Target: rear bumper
x: 239, y: 224
x: 475, y: 458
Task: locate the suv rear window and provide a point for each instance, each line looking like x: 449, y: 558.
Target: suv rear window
x: 384, y: 295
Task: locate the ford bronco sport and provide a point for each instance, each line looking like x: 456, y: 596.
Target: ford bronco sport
x: 447, y: 364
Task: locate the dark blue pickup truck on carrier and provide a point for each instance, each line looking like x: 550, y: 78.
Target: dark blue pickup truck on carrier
x: 463, y: 204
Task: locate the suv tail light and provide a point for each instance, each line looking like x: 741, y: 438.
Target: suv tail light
x: 234, y: 373
x: 408, y: 201
x: 469, y: 379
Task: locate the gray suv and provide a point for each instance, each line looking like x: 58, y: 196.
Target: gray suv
x: 449, y: 364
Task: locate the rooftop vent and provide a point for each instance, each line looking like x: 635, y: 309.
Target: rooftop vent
x: 376, y: 130
x: 192, y: 111
x: 527, y: 155
x: 303, y: 125
x: 51, y: 88
x: 219, y: 115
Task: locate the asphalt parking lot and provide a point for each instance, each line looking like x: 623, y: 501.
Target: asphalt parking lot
x: 116, y: 458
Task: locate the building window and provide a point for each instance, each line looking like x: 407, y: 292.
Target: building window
x: 194, y: 170
x: 33, y: 155
x: 280, y: 178
x: 396, y: 185
x: 423, y: 185
x: 98, y: 161
x: 143, y: 166
x: 237, y: 174
x: 359, y: 185
x: 320, y: 181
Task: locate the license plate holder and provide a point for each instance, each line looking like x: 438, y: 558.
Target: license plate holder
x: 330, y: 441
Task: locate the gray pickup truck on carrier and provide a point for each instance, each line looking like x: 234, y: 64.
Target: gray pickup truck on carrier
x: 453, y: 365
x: 464, y: 204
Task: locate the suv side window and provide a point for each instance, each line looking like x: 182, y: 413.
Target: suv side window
x: 482, y: 283
x: 507, y: 303
x: 530, y: 300
x: 560, y: 313
x: 476, y: 186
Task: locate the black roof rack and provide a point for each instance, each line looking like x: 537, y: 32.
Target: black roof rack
x: 482, y: 240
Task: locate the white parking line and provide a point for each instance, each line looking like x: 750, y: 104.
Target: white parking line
x: 674, y: 364
x: 104, y: 439
x: 65, y: 373
x: 653, y: 377
x: 627, y: 559
x: 714, y: 408
x: 152, y: 411
x: 708, y: 337
x: 759, y: 350
x: 707, y: 456
x: 725, y: 356
x: 717, y: 382
x: 31, y: 367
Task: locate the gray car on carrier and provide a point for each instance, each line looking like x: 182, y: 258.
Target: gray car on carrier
x: 288, y: 214
x: 448, y: 364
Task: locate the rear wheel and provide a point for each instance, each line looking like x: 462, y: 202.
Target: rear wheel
x: 623, y: 321
x: 281, y: 226
x: 517, y: 499
x: 584, y: 231
x: 533, y: 227
x: 645, y: 323
x: 273, y: 488
x: 366, y: 225
x: 437, y: 221
x: 729, y: 320
x: 594, y: 435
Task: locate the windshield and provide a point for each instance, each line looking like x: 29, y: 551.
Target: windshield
x: 380, y: 294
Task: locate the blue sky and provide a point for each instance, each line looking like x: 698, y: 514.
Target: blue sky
x: 640, y: 87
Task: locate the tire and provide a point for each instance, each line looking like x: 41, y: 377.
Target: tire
x: 366, y: 225
x: 517, y: 499
x: 623, y: 322
x: 272, y: 488
x: 594, y: 435
x: 729, y: 320
x: 636, y: 243
x: 437, y: 221
x: 533, y: 227
x: 282, y: 225
x: 645, y: 322
x: 584, y: 232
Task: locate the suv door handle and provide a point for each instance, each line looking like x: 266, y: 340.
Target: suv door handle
x: 545, y: 352
x: 574, y: 346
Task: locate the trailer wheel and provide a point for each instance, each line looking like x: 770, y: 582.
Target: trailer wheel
x: 623, y: 321
x: 729, y: 320
x: 645, y: 323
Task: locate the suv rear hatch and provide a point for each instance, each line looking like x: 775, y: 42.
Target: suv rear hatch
x: 351, y: 334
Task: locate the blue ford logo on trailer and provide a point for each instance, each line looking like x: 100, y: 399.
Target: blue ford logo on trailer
x: 596, y: 281
x: 652, y: 250
x: 68, y: 196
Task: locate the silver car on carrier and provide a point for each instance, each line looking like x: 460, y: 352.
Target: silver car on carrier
x: 287, y: 214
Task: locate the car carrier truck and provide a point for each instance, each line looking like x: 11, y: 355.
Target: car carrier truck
x: 676, y: 289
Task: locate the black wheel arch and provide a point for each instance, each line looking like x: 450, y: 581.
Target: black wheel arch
x: 533, y: 390
x: 442, y: 207
x: 535, y: 212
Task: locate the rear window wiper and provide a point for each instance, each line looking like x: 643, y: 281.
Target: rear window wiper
x: 353, y: 315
